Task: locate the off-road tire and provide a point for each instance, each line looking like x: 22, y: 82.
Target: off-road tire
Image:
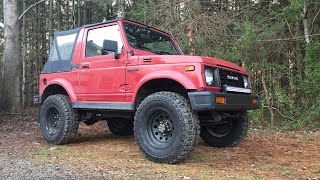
x: 175, y: 111
x: 68, y: 124
x: 121, y: 126
x: 232, y: 137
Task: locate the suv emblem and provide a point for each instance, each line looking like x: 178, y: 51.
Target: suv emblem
x: 233, y: 78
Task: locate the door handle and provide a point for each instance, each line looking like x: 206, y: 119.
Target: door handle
x: 85, y: 66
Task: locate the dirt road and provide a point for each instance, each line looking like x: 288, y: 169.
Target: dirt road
x: 97, y: 154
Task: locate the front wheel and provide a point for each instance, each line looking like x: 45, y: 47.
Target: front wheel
x: 58, y: 122
x: 166, y: 129
x: 227, y: 134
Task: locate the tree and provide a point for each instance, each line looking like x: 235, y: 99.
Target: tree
x: 11, y: 57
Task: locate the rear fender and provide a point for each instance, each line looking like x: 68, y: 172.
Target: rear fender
x: 66, y: 85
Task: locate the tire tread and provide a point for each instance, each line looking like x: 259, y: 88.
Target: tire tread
x: 191, y: 121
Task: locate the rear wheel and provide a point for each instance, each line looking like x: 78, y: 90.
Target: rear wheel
x: 229, y: 133
x: 166, y: 129
x: 121, y: 126
x: 58, y: 123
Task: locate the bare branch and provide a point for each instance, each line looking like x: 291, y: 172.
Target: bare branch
x: 30, y: 8
x: 312, y: 24
x: 280, y: 112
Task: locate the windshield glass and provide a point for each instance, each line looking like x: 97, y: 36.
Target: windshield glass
x: 149, y: 40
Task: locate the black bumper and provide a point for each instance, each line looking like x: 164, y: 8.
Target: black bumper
x: 202, y: 101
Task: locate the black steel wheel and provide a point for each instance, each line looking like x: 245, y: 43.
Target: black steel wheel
x: 166, y: 129
x: 227, y: 134
x: 52, y: 124
x: 58, y: 123
x: 121, y: 126
x: 160, y: 127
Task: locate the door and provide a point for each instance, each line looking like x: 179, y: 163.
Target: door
x: 102, y: 76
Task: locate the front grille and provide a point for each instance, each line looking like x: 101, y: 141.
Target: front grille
x: 235, y: 79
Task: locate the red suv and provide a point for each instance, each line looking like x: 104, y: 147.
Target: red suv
x: 137, y: 79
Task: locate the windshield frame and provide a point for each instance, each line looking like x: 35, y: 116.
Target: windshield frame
x: 174, y: 43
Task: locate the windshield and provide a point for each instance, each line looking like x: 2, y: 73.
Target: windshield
x: 149, y: 40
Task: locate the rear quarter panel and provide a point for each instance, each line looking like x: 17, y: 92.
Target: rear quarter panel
x: 68, y: 80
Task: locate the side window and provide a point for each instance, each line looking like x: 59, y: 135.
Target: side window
x: 97, y: 36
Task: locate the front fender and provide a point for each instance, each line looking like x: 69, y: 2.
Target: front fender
x: 183, y: 79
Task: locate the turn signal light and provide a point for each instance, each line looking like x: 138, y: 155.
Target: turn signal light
x: 189, y: 68
x: 254, y: 101
x: 220, y: 100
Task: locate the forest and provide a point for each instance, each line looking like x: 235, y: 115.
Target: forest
x: 277, y: 41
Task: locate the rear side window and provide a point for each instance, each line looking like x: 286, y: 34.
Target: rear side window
x: 61, y: 52
x: 96, y: 37
x: 65, y: 45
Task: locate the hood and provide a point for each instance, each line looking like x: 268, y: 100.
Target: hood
x: 176, y: 59
x: 222, y: 63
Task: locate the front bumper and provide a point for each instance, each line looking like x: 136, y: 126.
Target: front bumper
x: 205, y: 100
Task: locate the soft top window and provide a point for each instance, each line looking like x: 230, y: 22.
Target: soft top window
x: 61, y: 52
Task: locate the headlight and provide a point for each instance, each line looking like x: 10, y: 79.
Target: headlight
x: 246, y: 82
x: 209, y: 76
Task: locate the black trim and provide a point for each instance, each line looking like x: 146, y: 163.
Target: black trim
x: 103, y: 105
x: 205, y: 100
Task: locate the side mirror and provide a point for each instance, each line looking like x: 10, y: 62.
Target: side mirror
x: 109, y: 45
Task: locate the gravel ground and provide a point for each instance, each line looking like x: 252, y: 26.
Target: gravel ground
x: 18, y: 159
x: 97, y: 154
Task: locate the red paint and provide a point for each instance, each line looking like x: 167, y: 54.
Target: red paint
x: 118, y: 80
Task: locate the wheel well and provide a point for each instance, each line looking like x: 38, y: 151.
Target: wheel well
x: 158, y: 85
x: 53, y: 89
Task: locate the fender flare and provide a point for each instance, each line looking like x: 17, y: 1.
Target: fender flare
x: 165, y: 74
x: 66, y: 85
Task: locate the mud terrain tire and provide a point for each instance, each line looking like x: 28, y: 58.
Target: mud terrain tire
x: 58, y: 122
x: 166, y: 129
x: 226, y: 135
x: 121, y: 126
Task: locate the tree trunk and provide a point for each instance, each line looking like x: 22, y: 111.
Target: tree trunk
x: 267, y: 99
x: 79, y: 13
x: 73, y: 15
x: 51, y: 21
x: 190, y: 38
x: 11, y: 56
x: 305, y: 24
x: 59, y: 15
x: 85, y: 12
x: 121, y: 10
x: 24, y: 53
